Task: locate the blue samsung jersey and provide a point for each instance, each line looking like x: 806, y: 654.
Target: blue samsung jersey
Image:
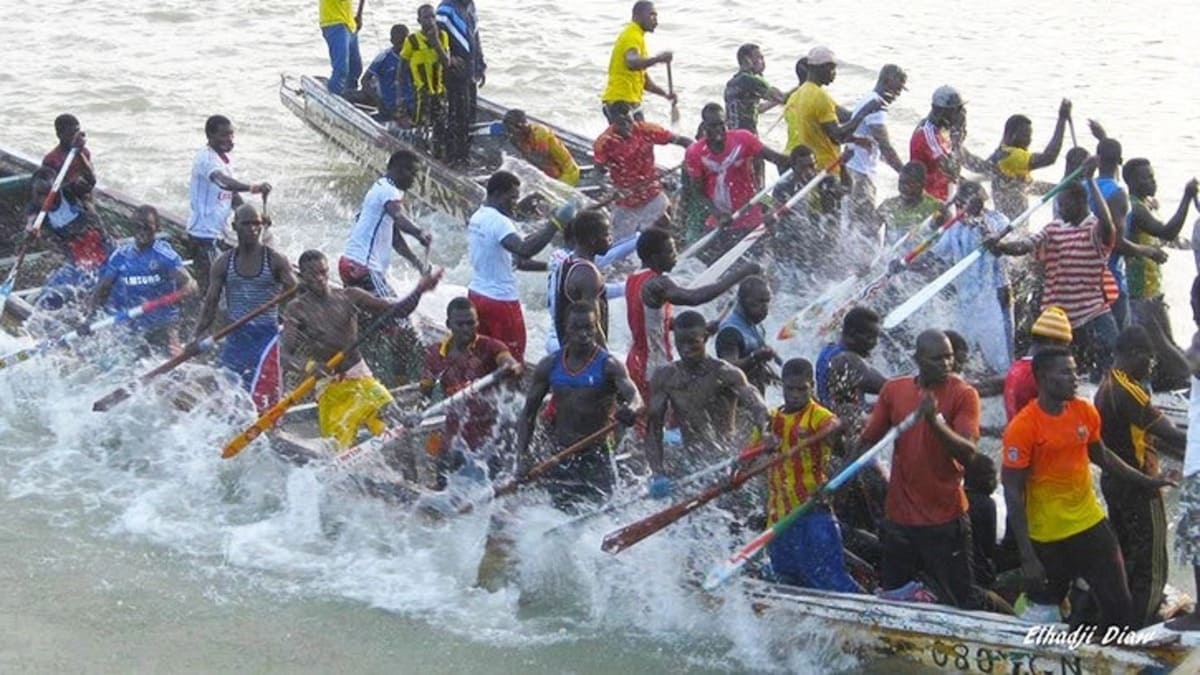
x: 390, y: 71
x: 139, y: 276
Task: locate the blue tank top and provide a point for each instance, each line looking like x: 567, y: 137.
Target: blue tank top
x: 828, y: 352
x: 753, y: 337
x: 245, y: 294
x: 590, y: 377
x: 1116, y: 263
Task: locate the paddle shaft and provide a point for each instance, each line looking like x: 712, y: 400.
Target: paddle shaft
x: 276, y: 412
x: 617, y: 194
x: 193, y: 348
x: 758, y: 197
x: 737, y: 561
x: 906, y: 309
x: 671, y: 94
x: 562, y: 456
x: 47, y: 204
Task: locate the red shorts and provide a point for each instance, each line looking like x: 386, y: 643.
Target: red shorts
x: 502, y: 320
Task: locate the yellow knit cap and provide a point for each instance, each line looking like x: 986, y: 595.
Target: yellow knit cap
x: 1053, y: 324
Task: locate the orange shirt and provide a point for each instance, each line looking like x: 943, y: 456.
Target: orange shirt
x: 797, y: 478
x: 1059, y: 499
x: 925, y: 487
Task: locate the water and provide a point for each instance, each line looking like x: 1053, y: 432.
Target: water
x: 129, y: 546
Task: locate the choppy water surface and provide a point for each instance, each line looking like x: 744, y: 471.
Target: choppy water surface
x: 127, y: 543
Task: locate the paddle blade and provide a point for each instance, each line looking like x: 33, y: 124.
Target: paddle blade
x: 906, y: 309
x: 111, y: 400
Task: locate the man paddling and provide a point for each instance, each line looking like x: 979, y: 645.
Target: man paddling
x: 379, y: 229
x: 626, y: 149
x: 76, y: 228
x: 492, y: 243
x: 650, y: 295
x: 741, y: 339
x: 539, y: 146
x: 939, y: 140
x: 903, y: 213
x: 1015, y: 164
x: 213, y: 193
x: 590, y: 388
x: 452, y: 365
x: 748, y: 93
x: 873, y: 127
x: 321, y: 322
x: 249, y: 276
x: 703, y: 394
x: 926, y: 530
x: 81, y: 176
x: 630, y: 61
x: 142, y: 270
x: 844, y: 378
x: 578, y: 279
x: 1059, y: 525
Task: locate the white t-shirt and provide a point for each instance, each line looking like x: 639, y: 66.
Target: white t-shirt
x: 864, y: 161
x: 492, y: 272
x: 1191, y: 459
x: 371, y: 236
x: 210, y: 203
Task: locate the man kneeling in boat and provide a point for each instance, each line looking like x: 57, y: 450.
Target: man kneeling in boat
x: 321, y: 322
x: 453, y: 364
x: 76, y: 228
x: 809, y: 553
x: 541, y: 147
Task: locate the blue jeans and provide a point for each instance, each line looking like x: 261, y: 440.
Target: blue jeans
x: 344, y: 57
x: 809, y: 554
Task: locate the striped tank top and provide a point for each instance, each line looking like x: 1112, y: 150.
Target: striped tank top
x: 1076, y: 263
x: 245, y: 294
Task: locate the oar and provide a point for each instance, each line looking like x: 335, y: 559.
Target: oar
x: 1071, y: 126
x: 352, y: 456
x: 273, y: 415
x: 707, y: 471
x: 754, y: 201
x: 791, y: 328
x: 671, y: 93
x: 726, y: 570
x: 32, y: 232
x: 898, y: 315
x: 617, y: 194
x: 619, y: 540
x: 193, y: 348
x: 100, y: 324
x: 739, y: 249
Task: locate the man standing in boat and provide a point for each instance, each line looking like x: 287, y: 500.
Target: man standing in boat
x: 323, y: 321
x: 249, y: 276
x: 1059, y: 526
x: 590, y: 388
x: 452, y: 365
x: 340, y: 26
x: 628, y: 79
x: 143, y: 270
x: 538, y: 145
x: 379, y: 229
x: 492, y: 243
x: 926, y: 530
x: 703, y: 394
x: 213, y: 194
x: 626, y: 149
x: 427, y: 53
x: 464, y: 73
x: 1014, y: 163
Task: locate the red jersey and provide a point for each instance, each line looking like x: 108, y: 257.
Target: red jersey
x: 927, y: 145
x: 1019, y: 387
x: 649, y: 329
x: 453, y: 370
x: 630, y: 161
x: 925, y: 487
x: 728, y: 177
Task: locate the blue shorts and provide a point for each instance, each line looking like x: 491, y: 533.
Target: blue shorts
x: 243, y: 351
x: 809, y: 554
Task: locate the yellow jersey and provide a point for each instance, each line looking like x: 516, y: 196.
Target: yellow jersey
x: 806, y: 469
x: 422, y: 58
x: 807, y: 109
x: 624, y: 83
x: 1016, y: 164
x: 333, y: 12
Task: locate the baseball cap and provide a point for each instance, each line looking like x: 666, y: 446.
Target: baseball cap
x: 1053, y: 324
x: 819, y: 56
x: 946, y: 96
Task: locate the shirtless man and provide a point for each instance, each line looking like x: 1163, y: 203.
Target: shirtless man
x: 249, y: 276
x: 321, y: 322
x: 587, y: 383
x: 703, y: 393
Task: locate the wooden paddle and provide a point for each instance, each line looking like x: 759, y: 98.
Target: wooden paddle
x: 35, y: 229
x: 671, y: 93
x: 726, y: 570
x: 193, y: 348
x: 269, y: 418
x: 619, y: 540
x: 762, y: 194
x: 119, y: 317
x: 906, y: 309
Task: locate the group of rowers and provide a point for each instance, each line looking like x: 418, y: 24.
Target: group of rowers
x: 927, y: 530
